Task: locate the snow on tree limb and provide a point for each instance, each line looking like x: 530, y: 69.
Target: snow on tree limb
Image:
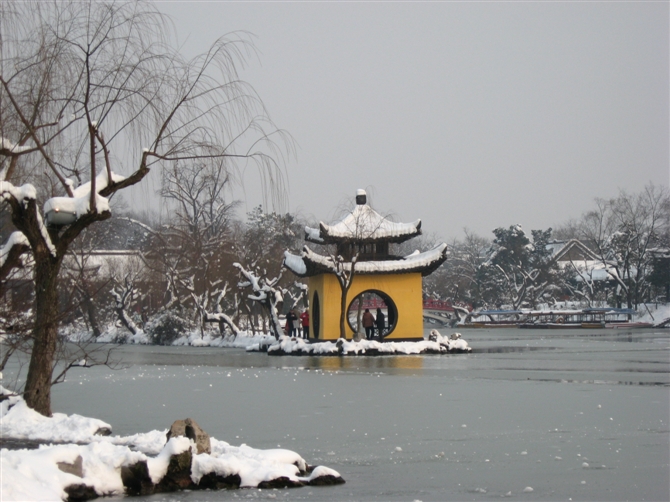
x: 265, y: 292
x: 17, y: 242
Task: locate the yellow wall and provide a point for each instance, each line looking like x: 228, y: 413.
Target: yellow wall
x: 404, y: 290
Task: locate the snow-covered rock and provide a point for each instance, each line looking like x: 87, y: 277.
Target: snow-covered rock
x: 108, y: 465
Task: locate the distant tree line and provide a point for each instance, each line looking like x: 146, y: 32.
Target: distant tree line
x: 626, y: 260
x: 196, y: 265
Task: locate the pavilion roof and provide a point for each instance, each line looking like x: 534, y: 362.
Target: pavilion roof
x: 363, y: 224
x: 309, y: 263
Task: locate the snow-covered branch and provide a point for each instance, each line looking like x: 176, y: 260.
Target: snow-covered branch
x: 265, y: 292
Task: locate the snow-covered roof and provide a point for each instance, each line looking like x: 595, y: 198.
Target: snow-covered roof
x: 363, y: 224
x: 562, y: 251
x: 591, y: 270
x: 310, y: 263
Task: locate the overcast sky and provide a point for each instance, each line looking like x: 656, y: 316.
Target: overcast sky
x: 462, y: 114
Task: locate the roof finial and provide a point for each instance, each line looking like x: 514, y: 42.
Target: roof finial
x: 361, y: 197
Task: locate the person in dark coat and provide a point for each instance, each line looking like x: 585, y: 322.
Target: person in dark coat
x: 381, y: 323
x: 368, y: 322
x: 291, y: 319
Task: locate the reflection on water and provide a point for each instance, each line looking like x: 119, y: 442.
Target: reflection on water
x: 334, y: 363
x: 501, y: 350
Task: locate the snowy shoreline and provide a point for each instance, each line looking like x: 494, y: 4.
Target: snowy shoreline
x: 436, y: 344
x: 87, y: 464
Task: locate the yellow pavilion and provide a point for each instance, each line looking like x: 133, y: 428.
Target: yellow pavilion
x: 357, y: 252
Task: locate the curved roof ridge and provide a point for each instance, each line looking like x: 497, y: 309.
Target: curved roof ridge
x: 363, y: 224
x: 311, y: 263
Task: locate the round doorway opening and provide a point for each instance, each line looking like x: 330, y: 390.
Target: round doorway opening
x: 373, y: 314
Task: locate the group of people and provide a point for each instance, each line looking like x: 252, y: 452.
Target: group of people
x: 370, y: 322
x: 297, y: 324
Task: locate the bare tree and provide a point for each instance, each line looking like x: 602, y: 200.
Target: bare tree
x: 622, y: 231
x: 196, y: 239
x: 266, y: 292
x: 461, y: 270
x: 87, y: 88
x: 125, y: 294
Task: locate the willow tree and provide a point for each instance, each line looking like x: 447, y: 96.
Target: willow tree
x: 93, y: 95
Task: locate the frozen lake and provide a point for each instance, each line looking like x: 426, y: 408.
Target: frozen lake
x: 573, y: 414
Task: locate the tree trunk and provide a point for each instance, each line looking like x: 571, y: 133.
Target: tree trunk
x: 37, y: 392
x: 125, y: 319
x: 343, y: 312
x: 91, y: 312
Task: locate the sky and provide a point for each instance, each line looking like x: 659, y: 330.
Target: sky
x: 465, y: 114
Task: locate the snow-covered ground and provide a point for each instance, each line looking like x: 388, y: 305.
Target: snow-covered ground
x: 35, y: 474
x: 441, y: 344
x: 286, y: 345
x: 653, y: 313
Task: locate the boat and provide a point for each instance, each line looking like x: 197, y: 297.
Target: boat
x: 630, y: 324
x: 589, y: 318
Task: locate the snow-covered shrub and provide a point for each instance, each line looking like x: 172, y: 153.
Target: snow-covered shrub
x: 166, y: 328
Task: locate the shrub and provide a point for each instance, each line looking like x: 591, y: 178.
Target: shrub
x: 166, y: 328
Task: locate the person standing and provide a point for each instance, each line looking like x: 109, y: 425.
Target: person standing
x: 296, y: 324
x: 380, y: 322
x: 304, y: 319
x: 291, y: 318
x: 368, y: 324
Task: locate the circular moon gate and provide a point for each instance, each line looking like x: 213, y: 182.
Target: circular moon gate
x: 372, y: 299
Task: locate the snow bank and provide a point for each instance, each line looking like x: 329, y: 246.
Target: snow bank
x: 19, y: 421
x: 193, y: 337
x: 253, y: 466
x: 242, y: 340
x: 114, y: 334
x: 35, y: 474
x: 655, y: 314
x: 298, y: 346
x: 285, y: 345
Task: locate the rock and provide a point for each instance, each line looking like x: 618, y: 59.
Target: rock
x: 80, y: 491
x: 103, y: 431
x: 212, y: 481
x: 327, y: 480
x: 178, y: 476
x: 190, y: 429
x: 280, y: 482
x: 136, y: 479
x: 75, y: 468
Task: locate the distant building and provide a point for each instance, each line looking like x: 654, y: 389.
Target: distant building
x: 576, y: 258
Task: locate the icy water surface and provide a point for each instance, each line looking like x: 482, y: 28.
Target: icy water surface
x: 572, y: 414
